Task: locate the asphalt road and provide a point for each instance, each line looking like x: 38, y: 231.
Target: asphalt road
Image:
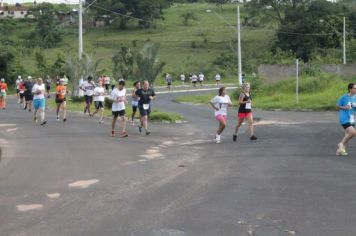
x: 73, y: 179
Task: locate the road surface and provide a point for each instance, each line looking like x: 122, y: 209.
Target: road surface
x: 73, y: 179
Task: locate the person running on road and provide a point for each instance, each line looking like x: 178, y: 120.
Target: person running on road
x: 245, y: 111
x: 107, y: 83
x: 201, y: 78
x: 39, y: 101
x: 88, y: 87
x: 194, y: 79
x: 118, y: 96
x: 18, y: 81
x: 22, y: 89
x: 99, y: 99
x: 146, y: 95
x: 48, y: 83
x: 28, y: 94
x: 169, y: 81
x: 135, y: 99
x: 346, y: 106
x: 217, y: 79
x: 220, y: 103
x: 182, y: 78
x: 3, y: 93
x: 61, y: 92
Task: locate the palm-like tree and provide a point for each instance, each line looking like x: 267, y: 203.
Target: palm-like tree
x: 76, y: 69
x: 147, y: 62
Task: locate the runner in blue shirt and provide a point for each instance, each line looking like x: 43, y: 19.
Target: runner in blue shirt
x: 346, y: 106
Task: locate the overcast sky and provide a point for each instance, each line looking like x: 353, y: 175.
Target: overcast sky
x: 51, y: 1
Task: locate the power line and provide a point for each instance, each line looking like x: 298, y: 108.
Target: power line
x: 125, y: 15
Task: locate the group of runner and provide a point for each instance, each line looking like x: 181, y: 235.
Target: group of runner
x: 194, y: 79
x: 33, y: 94
x: 220, y: 104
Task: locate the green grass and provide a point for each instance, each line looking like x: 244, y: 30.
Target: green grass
x: 315, y: 93
x: 212, y: 34
x: 156, y: 115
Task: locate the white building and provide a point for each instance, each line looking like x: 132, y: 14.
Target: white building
x: 14, y: 11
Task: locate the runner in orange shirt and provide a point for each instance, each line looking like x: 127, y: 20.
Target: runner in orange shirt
x: 3, y: 90
x: 61, y: 92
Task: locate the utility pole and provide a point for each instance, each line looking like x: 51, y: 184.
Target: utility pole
x: 80, y: 23
x: 239, y: 46
x: 344, y: 43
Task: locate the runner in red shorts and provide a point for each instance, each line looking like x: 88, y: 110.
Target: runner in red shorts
x: 245, y: 112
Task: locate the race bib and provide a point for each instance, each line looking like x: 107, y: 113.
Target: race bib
x: 248, y: 105
x: 146, y: 106
x: 352, y: 119
x: 3, y: 90
x: 22, y: 92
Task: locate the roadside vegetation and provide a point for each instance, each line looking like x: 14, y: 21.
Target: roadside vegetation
x: 316, y: 93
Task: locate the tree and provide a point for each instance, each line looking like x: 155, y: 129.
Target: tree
x: 123, y: 62
x: 188, y: 16
x: 58, y: 65
x: 218, y: 2
x: 6, y: 59
x: 147, y: 62
x: 47, y: 34
x: 304, y: 31
x: 144, y: 11
x: 41, y: 63
x: 76, y: 69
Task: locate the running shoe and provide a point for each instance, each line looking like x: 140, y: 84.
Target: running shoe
x: 44, y: 122
x: 65, y: 119
x: 253, y: 137
x: 57, y: 118
x: 112, y: 133
x: 217, y: 138
x: 341, y: 147
x: 124, y: 135
x: 29, y: 110
x: 148, y: 132
x: 234, y: 137
x: 340, y: 152
x: 85, y: 110
x: 101, y: 122
x: 35, y: 119
x: 140, y: 128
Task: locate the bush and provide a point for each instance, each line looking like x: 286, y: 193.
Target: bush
x: 107, y: 103
x: 77, y: 99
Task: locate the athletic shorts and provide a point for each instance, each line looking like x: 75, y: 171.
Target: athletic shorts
x: 118, y: 113
x: 99, y: 104
x: 48, y: 88
x: 3, y: 94
x: 88, y: 99
x: 347, y: 125
x: 39, y: 103
x: 17, y: 90
x: 169, y: 84
x: 134, y: 108
x: 22, y: 95
x: 28, y: 96
x: 59, y: 101
x: 221, y: 118
x: 243, y: 115
x: 144, y: 112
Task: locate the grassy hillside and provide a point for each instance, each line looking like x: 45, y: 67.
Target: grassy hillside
x: 210, y: 34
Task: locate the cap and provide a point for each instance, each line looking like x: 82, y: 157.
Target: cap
x: 61, y: 80
x: 29, y: 77
x: 19, y: 76
x: 2, y: 80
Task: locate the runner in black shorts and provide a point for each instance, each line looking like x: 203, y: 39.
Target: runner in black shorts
x: 146, y: 95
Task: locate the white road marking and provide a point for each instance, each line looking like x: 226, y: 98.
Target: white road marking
x: 30, y: 207
x: 10, y: 130
x: 274, y: 122
x: 152, y: 156
x: 152, y: 151
x: 6, y: 125
x: 168, y: 143
x: 53, y: 195
x: 83, y: 183
x: 142, y: 160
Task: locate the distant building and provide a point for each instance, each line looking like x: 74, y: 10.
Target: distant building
x: 15, y: 11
